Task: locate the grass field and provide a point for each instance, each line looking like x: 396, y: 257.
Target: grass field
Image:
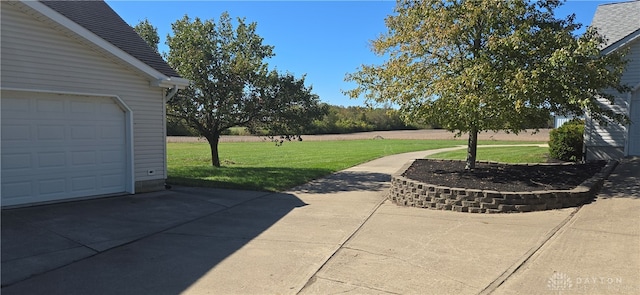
x: 264, y: 166
x: 524, y: 154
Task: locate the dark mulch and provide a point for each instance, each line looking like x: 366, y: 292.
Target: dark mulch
x: 502, y: 177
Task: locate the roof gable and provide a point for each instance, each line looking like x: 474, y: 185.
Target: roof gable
x: 617, y: 21
x: 100, y: 19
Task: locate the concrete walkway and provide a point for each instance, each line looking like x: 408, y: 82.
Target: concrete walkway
x: 597, y: 251
x: 333, y: 235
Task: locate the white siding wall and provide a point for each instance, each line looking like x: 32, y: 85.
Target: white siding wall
x: 633, y: 148
x: 612, y: 134
x: 610, y: 141
x: 632, y: 75
x: 35, y: 56
x: 632, y: 78
x: 606, y: 142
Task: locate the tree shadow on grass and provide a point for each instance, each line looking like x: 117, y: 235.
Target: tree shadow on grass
x: 245, y: 178
x: 307, y: 180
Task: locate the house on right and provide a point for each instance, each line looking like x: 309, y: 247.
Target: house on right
x: 619, y: 23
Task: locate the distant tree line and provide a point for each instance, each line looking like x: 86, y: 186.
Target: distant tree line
x: 360, y: 119
x: 341, y: 120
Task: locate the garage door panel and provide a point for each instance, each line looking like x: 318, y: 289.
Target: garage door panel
x: 15, y: 161
x: 51, y: 107
x: 16, y: 190
x: 50, y: 132
x: 15, y: 106
x: 61, y: 147
x: 51, y: 186
x: 83, y: 158
x: 110, y: 132
x: 111, y: 180
x: 51, y: 160
x: 83, y: 132
x: 106, y: 110
x: 112, y: 157
x: 82, y: 107
x: 15, y: 132
x: 83, y: 183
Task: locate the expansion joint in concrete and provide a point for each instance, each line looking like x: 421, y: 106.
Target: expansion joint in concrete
x: 340, y: 245
x: 528, y: 255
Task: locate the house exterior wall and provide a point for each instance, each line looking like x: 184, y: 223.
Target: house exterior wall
x: 36, y: 56
x: 611, y: 141
x: 606, y: 142
x: 633, y: 146
x: 631, y: 76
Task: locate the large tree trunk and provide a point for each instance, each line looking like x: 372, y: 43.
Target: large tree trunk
x: 472, y: 149
x: 213, y: 143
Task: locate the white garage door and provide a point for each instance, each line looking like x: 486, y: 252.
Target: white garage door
x: 634, y: 128
x: 58, y: 147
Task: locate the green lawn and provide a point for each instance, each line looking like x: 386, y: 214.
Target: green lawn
x: 264, y: 166
x: 524, y: 154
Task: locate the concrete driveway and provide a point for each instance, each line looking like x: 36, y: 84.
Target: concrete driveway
x: 333, y: 235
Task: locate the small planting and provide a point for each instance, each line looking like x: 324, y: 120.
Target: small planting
x: 566, y: 142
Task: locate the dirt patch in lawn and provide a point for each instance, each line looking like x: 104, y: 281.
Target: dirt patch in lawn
x: 502, y: 177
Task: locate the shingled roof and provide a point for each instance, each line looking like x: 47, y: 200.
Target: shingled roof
x: 100, y: 19
x: 616, y: 21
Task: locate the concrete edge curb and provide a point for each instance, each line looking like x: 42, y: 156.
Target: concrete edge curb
x: 413, y: 193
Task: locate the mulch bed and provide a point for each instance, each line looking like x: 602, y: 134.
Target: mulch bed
x: 502, y: 177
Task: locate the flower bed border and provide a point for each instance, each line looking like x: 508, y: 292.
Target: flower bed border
x: 413, y: 193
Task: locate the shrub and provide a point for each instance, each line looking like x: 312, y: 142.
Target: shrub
x: 566, y: 142
x: 177, y: 127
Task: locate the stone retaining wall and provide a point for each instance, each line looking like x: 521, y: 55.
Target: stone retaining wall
x: 408, y: 192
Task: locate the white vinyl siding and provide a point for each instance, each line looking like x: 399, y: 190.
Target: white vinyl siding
x: 634, y: 128
x: 606, y: 142
x: 36, y: 56
x: 631, y: 75
x: 611, y: 135
x: 613, y: 141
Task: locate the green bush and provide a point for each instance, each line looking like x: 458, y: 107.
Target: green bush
x: 566, y: 142
x: 177, y: 127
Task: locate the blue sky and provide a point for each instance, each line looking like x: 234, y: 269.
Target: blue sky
x: 323, y: 39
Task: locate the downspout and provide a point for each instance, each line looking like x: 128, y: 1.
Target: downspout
x: 171, y: 94
x: 627, y: 127
x: 588, y: 122
x: 173, y: 84
x: 167, y: 97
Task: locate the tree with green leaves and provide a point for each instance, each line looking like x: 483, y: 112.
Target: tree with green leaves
x: 232, y: 85
x: 148, y: 33
x: 473, y: 66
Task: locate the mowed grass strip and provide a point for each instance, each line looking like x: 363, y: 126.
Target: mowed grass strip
x: 266, y: 167
x: 520, y: 154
